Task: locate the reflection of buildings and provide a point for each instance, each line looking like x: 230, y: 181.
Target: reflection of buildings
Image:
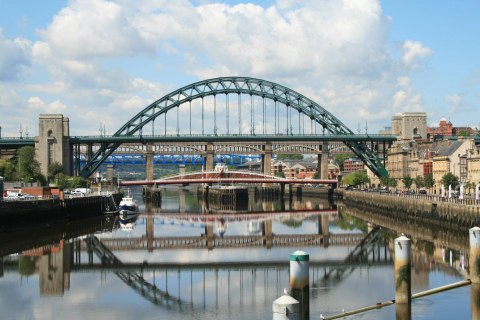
x: 53, y: 267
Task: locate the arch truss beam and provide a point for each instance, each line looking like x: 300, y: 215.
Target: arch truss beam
x: 238, y: 85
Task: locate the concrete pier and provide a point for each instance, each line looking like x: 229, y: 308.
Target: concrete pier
x: 299, y: 281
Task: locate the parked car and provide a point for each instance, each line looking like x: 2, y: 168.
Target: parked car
x: 77, y: 193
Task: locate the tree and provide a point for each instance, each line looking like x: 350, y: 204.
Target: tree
x: 54, y: 169
x: 7, y: 170
x: 450, y: 179
x: 28, y: 166
x: 290, y: 157
x: 407, y: 181
x: 78, y: 182
x: 419, y: 182
x: 356, y: 178
x: 429, y: 181
x: 388, y: 181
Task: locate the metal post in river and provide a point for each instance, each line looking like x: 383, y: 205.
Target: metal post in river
x: 402, y: 273
x: 299, y: 281
x: 474, y: 236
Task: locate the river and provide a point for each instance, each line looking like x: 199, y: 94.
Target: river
x: 165, y: 264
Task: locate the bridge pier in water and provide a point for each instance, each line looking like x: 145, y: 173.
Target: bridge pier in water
x: 149, y: 162
x: 150, y: 226
x: 267, y: 233
x: 324, y: 228
x: 181, y: 200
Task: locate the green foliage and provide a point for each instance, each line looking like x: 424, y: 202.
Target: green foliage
x: 419, y: 182
x: 429, y: 181
x: 54, y: 169
x: 26, y: 265
x: 346, y: 222
x: 407, y: 181
x: 450, y: 179
x: 463, y: 133
x: 7, y: 170
x: 67, y: 182
x: 280, y: 174
x: 339, y: 159
x: 290, y: 157
x: 78, y: 182
x: 28, y: 166
x: 292, y: 223
x: 356, y: 178
x: 388, y: 181
x: 193, y: 168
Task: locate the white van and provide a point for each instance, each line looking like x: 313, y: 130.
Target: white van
x: 81, y: 192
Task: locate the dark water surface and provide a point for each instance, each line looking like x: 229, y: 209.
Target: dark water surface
x: 51, y: 272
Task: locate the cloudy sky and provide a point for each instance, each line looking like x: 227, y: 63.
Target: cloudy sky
x: 100, y: 62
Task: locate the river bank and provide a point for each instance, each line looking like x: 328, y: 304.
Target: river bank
x: 421, y: 208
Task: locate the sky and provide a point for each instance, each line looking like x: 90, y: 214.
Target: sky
x: 101, y: 62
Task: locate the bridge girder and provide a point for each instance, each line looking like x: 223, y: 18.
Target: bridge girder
x: 238, y: 85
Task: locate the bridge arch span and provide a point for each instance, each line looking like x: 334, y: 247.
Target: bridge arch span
x: 240, y: 86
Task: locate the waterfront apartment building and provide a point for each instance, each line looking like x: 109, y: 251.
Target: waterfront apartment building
x: 473, y: 165
x: 350, y: 165
x: 449, y: 159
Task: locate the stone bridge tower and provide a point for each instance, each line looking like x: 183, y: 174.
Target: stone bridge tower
x: 52, y: 144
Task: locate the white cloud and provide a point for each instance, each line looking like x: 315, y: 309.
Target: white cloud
x: 454, y: 99
x: 413, y: 51
x: 334, y: 52
x: 93, y: 28
x: 14, y: 57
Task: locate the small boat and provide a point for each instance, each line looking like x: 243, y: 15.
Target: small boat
x: 128, y: 206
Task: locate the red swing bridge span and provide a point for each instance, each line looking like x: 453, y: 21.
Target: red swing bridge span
x: 226, y: 178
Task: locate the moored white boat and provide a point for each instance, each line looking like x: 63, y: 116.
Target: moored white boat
x: 128, y: 206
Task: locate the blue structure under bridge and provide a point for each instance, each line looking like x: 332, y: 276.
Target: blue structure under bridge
x: 228, y: 159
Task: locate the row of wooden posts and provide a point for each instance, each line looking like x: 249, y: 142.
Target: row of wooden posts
x: 295, y: 305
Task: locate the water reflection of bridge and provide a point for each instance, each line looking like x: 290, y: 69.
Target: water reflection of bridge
x: 210, y: 241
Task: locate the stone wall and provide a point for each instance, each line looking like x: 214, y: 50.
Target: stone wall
x: 417, y: 208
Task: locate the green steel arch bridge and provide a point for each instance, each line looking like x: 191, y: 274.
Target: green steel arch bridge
x: 205, y: 112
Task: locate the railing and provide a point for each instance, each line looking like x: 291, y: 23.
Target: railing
x: 469, y: 200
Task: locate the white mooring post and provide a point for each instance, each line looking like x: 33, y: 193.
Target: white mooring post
x: 286, y: 308
x: 403, y: 278
x: 474, y: 261
x: 299, y: 281
x: 474, y: 235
